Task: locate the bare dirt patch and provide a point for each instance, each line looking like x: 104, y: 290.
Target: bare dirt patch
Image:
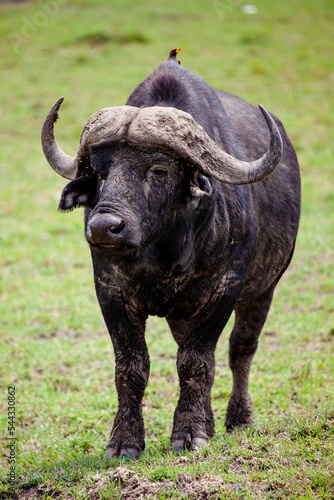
x: 124, y: 484
x: 130, y: 487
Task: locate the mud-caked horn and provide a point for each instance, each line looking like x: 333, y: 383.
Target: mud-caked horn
x: 160, y: 127
x: 169, y: 127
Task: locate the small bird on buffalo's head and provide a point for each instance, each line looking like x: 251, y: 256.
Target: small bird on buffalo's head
x: 172, y: 55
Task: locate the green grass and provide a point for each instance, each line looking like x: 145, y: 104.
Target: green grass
x: 55, y: 348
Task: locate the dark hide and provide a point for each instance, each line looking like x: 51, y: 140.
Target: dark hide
x: 167, y: 240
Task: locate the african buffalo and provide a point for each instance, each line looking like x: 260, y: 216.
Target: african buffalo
x: 192, y: 203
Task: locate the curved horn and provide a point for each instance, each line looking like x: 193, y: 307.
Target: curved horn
x: 63, y: 164
x: 177, y: 130
x: 167, y: 127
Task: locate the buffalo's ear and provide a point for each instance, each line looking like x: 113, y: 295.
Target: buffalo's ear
x: 78, y: 193
x: 199, y: 186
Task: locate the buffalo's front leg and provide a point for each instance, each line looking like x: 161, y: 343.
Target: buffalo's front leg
x: 127, y: 437
x: 127, y: 330
x: 179, y: 330
x: 191, y: 429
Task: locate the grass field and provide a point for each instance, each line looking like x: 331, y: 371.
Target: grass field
x: 55, y: 348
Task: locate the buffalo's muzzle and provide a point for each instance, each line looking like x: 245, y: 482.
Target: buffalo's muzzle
x: 109, y: 231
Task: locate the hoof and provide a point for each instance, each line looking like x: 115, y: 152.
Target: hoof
x: 199, y: 443
x: 179, y: 445
x: 127, y: 452
x: 110, y: 453
x: 239, y: 414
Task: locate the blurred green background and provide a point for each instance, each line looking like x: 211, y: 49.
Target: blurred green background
x: 55, y: 347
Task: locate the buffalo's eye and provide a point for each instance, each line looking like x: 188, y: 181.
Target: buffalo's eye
x: 159, y: 171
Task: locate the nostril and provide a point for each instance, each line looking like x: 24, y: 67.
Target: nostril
x: 106, y: 229
x: 116, y: 228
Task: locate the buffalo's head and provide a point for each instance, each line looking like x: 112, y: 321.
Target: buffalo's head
x: 136, y: 167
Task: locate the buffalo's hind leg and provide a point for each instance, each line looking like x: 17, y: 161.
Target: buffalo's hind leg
x: 249, y: 321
